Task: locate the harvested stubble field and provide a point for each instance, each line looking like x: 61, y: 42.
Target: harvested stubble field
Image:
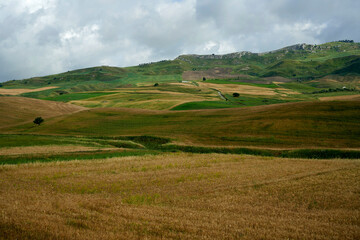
x: 147, y: 99
x: 17, y: 91
x: 20, y: 109
x: 242, y: 89
x: 48, y: 149
x: 182, y: 196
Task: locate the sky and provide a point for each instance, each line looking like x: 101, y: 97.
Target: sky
x: 42, y: 37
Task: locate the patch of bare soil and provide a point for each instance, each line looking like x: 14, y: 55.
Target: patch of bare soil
x: 338, y: 78
x: 242, y: 89
x: 17, y: 91
x: 341, y: 98
x: 287, y: 91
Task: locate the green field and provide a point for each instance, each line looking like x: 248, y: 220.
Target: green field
x: 77, y: 96
x: 204, y: 105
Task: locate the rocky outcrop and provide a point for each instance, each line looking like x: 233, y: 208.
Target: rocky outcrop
x: 280, y: 53
x: 215, y: 56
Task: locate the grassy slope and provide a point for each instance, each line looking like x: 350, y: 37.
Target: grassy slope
x: 77, y: 96
x: 99, y: 78
x: 27, y: 148
x: 298, y: 125
x: 162, y: 97
x: 85, y: 87
x: 307, y: 62
x: 204, y: 105
x: 311, y: 61
x: 16, y: 110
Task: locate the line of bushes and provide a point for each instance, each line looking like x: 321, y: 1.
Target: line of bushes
x: 31, y: 158
x: 158, y: 143
x: 321, y: 154
x: 301, y: 153
x: 335, y: 90
x: 194, y: 149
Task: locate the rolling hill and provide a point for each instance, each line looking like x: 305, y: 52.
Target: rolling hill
x: 298, y: 62
x: 242, y: 145
x: 325, y: 124
x: 17, y: 110
x: 283, y: 98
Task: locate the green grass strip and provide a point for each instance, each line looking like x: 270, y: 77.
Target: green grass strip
x: 301, y: 153
x: 31, y: 158
x: 204, y: 105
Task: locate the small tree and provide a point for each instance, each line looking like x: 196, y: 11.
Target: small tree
x: 236, y: 94
x: 156, y: 84
x: 38, y: 120
x: 204, y: 78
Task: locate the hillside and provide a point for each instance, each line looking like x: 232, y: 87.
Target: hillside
x: 17, y: 110
x: 296, y: 73
x: 242, y: 145
x: 291, y: 125
x: 297, y: 62
x: 305, y: 61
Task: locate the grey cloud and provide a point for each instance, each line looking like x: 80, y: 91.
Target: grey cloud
x: 49, y: 35
x: 39, y: 37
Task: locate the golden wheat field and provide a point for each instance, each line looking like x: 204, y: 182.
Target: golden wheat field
x: 20, y: 109
x: 18, y: 91
x: 182, y: 196
x: 49, y: 149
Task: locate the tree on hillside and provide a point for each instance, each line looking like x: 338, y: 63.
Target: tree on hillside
x: 156, y: 84
x: 236, y: 94
x: 204, y: 78
x: 38, y: 120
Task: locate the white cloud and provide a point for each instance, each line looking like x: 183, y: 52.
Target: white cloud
x: 40, y: 37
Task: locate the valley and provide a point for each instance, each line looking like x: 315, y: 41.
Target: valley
x: 235, y: 146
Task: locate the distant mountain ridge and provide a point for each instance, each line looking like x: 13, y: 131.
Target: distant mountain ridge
x: 297, y: 47
x: 300, y: 62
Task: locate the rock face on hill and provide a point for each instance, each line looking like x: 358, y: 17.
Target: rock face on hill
x: 214, y: 56
x: 341, y: 46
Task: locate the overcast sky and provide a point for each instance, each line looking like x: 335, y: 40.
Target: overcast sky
x: 41, y: 37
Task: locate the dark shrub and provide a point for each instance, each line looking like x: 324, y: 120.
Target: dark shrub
x: 38, y: 120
